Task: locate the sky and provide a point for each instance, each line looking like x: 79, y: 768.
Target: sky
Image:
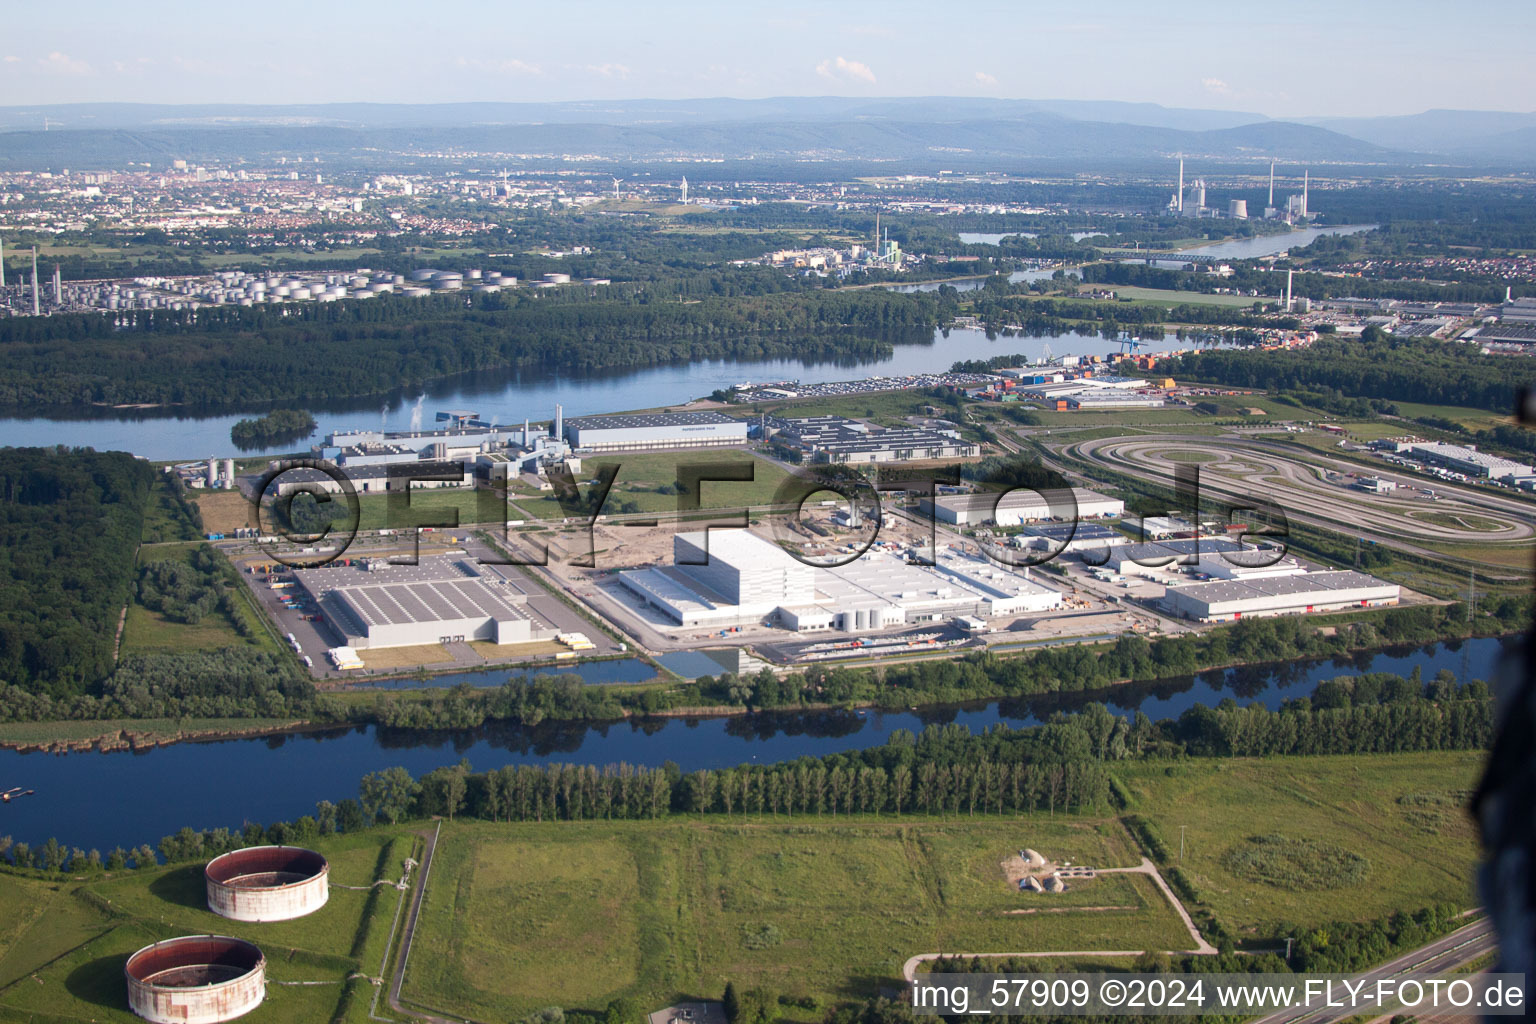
x: 1299, y: 59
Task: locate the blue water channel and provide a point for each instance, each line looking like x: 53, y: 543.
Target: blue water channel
x: 103, y: 800
x: 511, y: 396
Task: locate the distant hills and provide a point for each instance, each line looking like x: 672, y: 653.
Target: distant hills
x: 910, y: 132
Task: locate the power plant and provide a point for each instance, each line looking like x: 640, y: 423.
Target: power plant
x: 196, y: 979
x: 267, y: 883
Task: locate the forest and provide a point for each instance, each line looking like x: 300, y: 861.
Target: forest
x: 235, y: 355
x: 70, y: 523
x: 1376, y: 366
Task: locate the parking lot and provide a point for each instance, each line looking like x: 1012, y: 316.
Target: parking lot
x: 288, y: 605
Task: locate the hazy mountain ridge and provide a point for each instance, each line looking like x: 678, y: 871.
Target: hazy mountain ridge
x: 616, y: 112
x: 1036, y: 136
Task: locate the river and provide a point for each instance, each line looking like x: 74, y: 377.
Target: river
x: 511, y: 396
x: 103, y: 800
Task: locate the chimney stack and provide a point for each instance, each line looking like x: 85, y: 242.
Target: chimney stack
x: 37, y: 299
x: 559, y: 422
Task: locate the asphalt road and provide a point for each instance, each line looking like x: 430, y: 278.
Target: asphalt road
x: 1459, y: 947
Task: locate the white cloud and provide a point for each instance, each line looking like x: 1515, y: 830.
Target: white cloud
x: 63, y: 64
x: 1215, y: 86
x: 609, y: 70
x: 509, y: 66
x: 843, y: 68
x: 12, y: 59
x: 985, y: 80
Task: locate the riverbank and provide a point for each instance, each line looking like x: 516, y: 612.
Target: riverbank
x: 128, y: 734
x: 435, y: 711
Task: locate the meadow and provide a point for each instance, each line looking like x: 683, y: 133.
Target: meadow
x: 522, y: 916
x: 147, y: 630
x: 1390, y: 810
x: 822, y: 909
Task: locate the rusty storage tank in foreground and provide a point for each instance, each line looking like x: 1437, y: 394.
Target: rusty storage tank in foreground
x: 267, y: 883
x: 196, y: 979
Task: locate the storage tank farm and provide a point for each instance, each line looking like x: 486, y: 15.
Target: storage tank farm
x: 267, y: 883
x: 203, y: 979
x: 196, y: 979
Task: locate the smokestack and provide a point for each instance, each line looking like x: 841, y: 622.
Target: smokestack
x: 1288, y: 275
x: 559, y: 422
x: 58, y: 287
x: 525, y: 433
x: 37, y: 299
x: 1181, y: 185
x: 2, y: 263
x: 1271, y: 184
x: 1305, y: 175
x: 877, y: 230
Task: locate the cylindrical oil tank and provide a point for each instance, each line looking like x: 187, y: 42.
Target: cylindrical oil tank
x: 196, y: 979
x: 267, y: 883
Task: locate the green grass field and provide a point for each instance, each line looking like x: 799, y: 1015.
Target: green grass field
x: 63, y: 943
x: 1352, y: 802
x: 147, y: 630
x: 574, y: 914
x: 823, y: 908
x: 1169, y: 297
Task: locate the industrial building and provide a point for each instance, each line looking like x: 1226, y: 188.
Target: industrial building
x: 653, y: 431
x: 196, y: 979
x: 1066, y: 538
x: 837, y: 439
x: 1467, y: 459
x: 267, y: 883
x: 1156, y: 558
x: 366, y: 480
x: 442, y: 599
x: 1101, y: 400
x: 1228, y: 600
x: 1012, y: 508
x: 747, y: 579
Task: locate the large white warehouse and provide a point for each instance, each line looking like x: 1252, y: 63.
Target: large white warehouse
x: 1227, y: 600
x: 749, y: 579
x: 1013, y: 508
x: 441, y: 599
x: 655, y: 431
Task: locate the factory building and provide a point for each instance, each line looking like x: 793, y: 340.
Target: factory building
x: 1468, y: 460
x: 1228, y: 600
x: 655, y: 431
x: 440, y: 600
x: 1099, y: 401
x: 1066, y: 538
x: 749, y: 580
x: 365, y: 479
x: 1157, y: 558
x: 837, y: 439
x: 1013, y: 508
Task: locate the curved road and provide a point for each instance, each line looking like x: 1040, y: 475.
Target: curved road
x: 1241, y: 467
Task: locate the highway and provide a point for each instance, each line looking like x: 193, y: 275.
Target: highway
x: 1445, y: 954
